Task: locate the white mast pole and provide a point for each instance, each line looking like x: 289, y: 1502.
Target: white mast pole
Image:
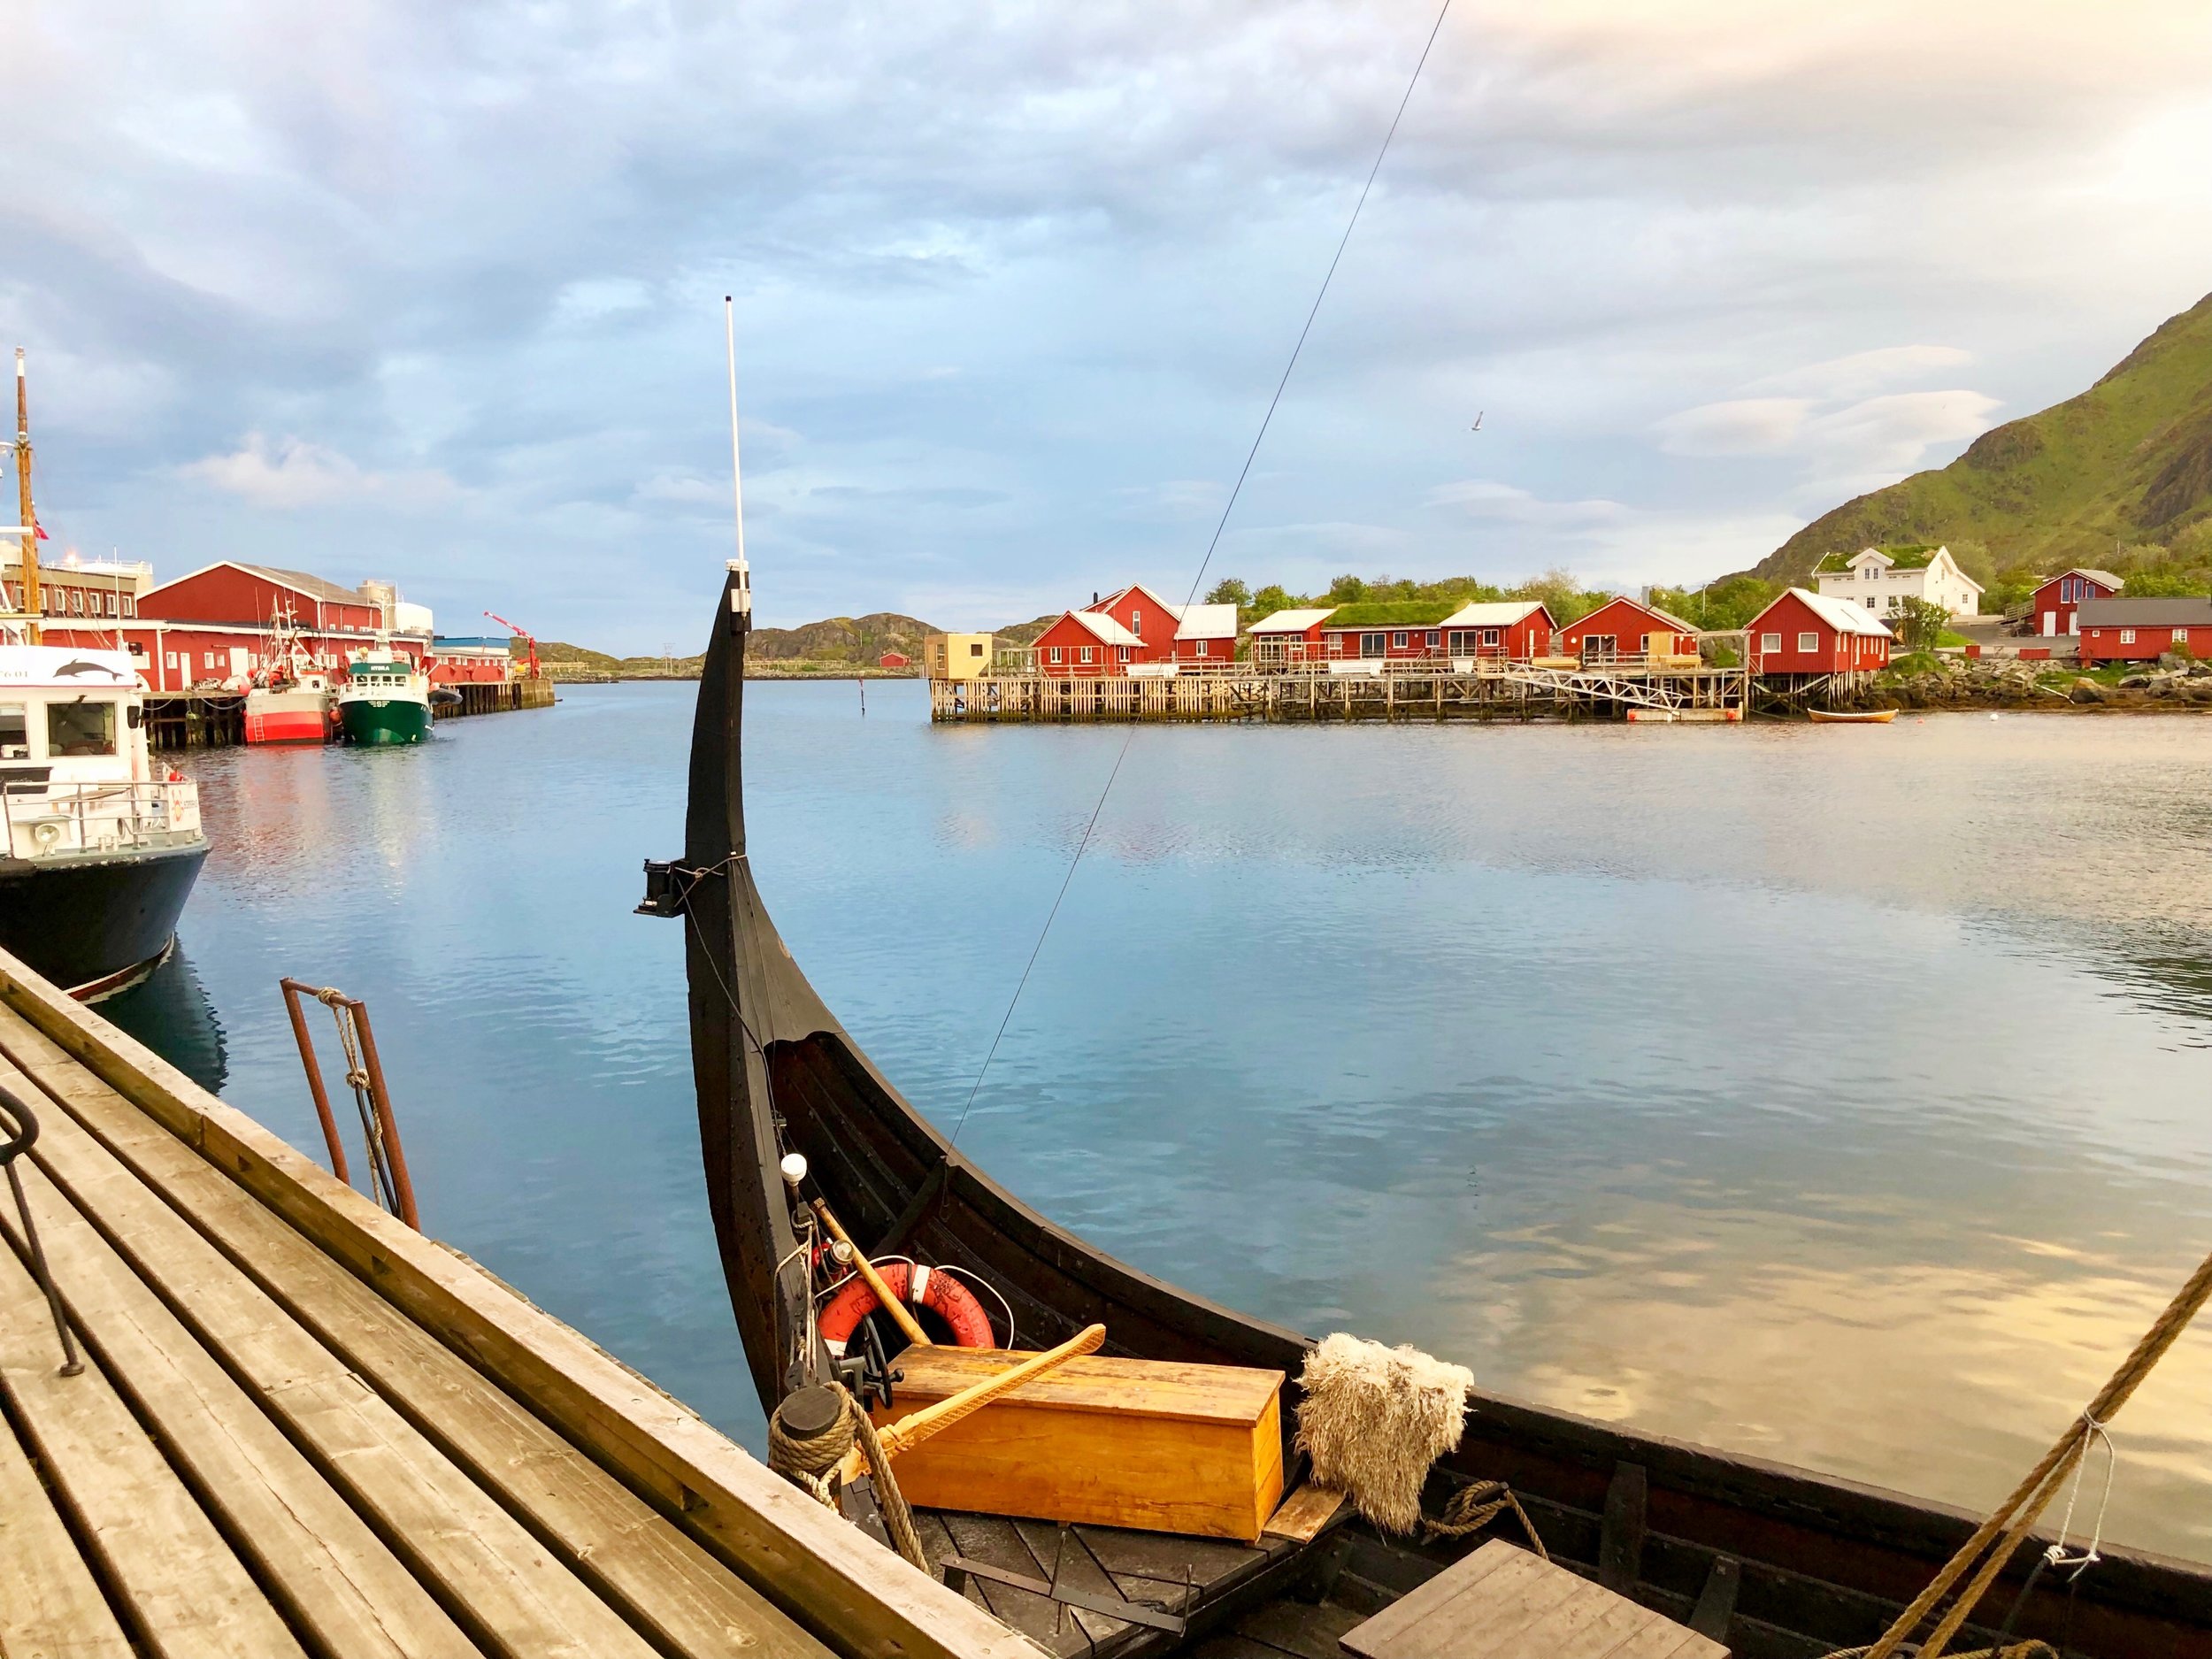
x: 741, y: 600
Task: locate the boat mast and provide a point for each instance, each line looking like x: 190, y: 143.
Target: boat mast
x: 742, y: 589
x: 28, y: 521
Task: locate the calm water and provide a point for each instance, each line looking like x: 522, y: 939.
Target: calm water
x: 1839, y: 1096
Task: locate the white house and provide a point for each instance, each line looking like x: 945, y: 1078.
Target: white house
x: 1877, y: 579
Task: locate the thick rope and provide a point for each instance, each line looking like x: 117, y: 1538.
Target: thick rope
x: 807, y: 1464
x: 1474, y: 1507
x: 2012, y: 1520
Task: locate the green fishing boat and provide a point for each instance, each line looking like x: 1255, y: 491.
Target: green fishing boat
x: 385, y: 699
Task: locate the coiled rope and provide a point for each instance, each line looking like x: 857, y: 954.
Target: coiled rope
x: 1996, y: 1538
x: 806, y: 1461
x: 1474, y: 1507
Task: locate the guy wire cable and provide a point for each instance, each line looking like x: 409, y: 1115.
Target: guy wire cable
x: 1084, y: 841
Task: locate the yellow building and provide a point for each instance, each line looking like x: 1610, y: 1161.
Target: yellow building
x: 956, y: 656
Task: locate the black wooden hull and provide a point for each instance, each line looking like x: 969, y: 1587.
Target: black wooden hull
x: 1824, y: 1563
x: 93, y: 925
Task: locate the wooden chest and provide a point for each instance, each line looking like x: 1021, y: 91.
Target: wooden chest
x: 1113, y: 1443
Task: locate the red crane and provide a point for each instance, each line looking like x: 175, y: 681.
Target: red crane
x: 528, y: 639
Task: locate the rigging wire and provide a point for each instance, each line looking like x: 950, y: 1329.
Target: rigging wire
x: 1083, y: 842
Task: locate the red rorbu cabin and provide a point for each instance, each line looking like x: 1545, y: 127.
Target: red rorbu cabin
x: 1087, y: 644
x: 1168, y: 633
x: 1283, y: 638
x: 1804, y: 633
x: 1623, y: 627
x: 894, y: 659
x: 1390, y: 630
x: 2144, y: 630
x: 2055, y: 605
x: 1513, y: 630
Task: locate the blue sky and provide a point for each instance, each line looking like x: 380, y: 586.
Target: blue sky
x: 432, y: 292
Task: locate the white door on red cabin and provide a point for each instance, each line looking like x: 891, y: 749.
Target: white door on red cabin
x: 2050, y: 622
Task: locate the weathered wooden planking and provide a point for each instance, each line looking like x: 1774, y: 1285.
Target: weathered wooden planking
x: 1503, y: 1602
x: 1302, y: 1629
x: 860, y: 1598
x: 512, y: 1595
x: 1107, y: 1441
x: 666, y: 1583
x: 49, y: 1605
x: 338, y: 1586
x: 185, y: 1593
x: 1302, y: 1516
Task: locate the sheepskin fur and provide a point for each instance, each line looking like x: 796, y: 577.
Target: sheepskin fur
x: 1375, y: 1419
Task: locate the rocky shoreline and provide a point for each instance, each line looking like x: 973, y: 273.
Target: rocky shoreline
x: 2014, y: 684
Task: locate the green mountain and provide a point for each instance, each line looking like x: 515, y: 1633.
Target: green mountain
x: 2128, y: 461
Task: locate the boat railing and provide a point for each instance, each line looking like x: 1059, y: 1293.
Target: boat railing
x: 47, y: 820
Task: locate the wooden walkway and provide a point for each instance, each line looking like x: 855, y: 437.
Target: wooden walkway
x: 302, y: 1428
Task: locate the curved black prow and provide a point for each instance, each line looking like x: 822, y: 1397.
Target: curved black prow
x: 775, y: 1073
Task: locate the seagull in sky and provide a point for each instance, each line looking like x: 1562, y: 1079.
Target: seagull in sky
x: 1480, y: 413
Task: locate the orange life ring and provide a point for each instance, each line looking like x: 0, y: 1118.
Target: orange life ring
x: 939, y: 1292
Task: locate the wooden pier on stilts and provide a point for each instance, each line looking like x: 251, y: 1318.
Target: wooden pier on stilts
x: 295, y: 1425
x: 1339, y: 692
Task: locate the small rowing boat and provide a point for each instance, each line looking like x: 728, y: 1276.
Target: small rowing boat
x: 1851, y: 716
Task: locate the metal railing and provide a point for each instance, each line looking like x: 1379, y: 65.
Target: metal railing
x: 44, y: 818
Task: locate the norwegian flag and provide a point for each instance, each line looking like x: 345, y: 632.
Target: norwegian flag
x: 39, y: 529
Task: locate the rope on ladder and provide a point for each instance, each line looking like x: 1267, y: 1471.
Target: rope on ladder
x: 381, y: 1185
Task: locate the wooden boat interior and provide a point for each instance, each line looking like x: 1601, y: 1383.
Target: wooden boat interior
x: 1771, y: 1562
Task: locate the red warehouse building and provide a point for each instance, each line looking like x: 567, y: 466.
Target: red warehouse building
x: 1623, y: 627
x: 1515, y: 630
x: 2053, y: 606
x: 1087, y: 644
x: 1804, y: 633
x: 2144, y: 630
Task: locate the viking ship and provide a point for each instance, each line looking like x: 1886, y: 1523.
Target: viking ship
x: 1770, y: 1562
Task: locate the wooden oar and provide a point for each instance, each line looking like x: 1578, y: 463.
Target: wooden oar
x: 894, y: 1305
x: 908, y: 1433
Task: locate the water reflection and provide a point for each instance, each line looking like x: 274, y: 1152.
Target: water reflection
x: 169, y: 1011
x: 1839, y: 1101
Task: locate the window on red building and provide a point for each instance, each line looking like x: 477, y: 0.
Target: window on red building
x: 1808, y: 641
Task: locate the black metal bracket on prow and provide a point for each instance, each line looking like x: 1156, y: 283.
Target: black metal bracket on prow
x: 666, y: 887
x: 868, y: 1373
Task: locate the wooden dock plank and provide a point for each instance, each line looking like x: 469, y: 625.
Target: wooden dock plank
x: 50, y: 1606
x: 337, y: 1584
x: 664, y: 1581
x: 484, y: 1568
x: 185, y: 1595
x: 842, y: 1587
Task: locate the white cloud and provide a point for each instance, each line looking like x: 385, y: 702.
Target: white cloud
x: 293, y: 474
x: 1862, y: 372
x: 1891, y: 435
x: 1486, y: 499
x: 1845, y: 450
x: 1742, y: 425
